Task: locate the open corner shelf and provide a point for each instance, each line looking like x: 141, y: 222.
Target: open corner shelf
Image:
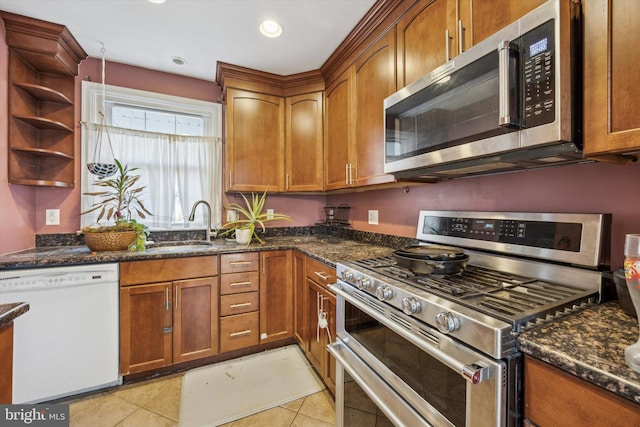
x: 43, y: 65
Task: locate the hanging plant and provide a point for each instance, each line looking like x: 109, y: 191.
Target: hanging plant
x: 117, y: 202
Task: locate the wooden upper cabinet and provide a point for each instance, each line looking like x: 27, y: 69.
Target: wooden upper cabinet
x: 424, y: 38
x: 374, y: 80
x: 255, y: 141
x: 435, y: 31
x: 338, y: 132
x: 304, y: 130
x: 43, y: 63
x: 611, y: 75
x: 478, y: 19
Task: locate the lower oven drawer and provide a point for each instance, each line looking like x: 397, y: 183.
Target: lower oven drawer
x: 239, y: 331
x: 383, y: 396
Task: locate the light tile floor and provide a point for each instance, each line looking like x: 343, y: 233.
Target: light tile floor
x: 156, y: 403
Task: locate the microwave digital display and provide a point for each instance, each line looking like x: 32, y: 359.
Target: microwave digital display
x: 537, y: 47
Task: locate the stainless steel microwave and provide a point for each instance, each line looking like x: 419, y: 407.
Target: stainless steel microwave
x: 511, y: 102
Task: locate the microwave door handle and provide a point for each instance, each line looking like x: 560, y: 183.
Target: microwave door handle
x: 507, y: 117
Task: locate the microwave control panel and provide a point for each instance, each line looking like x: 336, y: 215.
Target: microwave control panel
x: 538, y: 72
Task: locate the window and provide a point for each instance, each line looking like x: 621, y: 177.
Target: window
x: 174, y: 142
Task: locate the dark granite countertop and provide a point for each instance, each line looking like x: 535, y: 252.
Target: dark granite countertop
x: 589, y: 344
x: 8, y: 312
x: 327, y: 250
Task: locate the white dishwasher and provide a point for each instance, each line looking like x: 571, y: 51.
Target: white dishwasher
x: 68, y: 341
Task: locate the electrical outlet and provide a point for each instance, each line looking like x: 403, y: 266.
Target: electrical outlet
x: 52, y: 217
x: 270, y: 213
x: 232, y: 215
x: 373, y: 217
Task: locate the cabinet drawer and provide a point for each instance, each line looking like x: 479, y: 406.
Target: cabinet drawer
x: 319, y: 272
x: 239, y: 282
x: 239, y: 303
x: 239, y: 331
x: 236, y: 263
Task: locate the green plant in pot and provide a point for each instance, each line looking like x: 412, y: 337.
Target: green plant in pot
x: 251, y: 218
x: 118, y: 200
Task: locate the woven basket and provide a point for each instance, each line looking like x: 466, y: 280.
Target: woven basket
x: 111, y: 241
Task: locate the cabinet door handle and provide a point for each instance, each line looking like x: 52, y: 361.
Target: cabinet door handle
x: 235, y: 334
x: 167, y: 327
x: 346, y: 173
x: 176, y: 301
x: 240, y: 304
x: 460, y: 36
x: 230, y: 180
x: 321, y: 275
x: 239, y: 283
x: 447, y: 39
x: 286, y: 181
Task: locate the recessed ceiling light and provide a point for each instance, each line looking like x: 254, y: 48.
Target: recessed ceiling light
x: 156, y: 1
x: 178, y: 61
x: 270, y: 28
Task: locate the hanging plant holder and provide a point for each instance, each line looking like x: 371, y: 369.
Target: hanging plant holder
x: 102, y: 169
x: 97, y: 167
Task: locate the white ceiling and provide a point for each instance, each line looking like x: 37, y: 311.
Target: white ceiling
x: 148, y: 35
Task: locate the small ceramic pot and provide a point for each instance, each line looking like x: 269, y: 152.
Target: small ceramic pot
x: 243, y: 236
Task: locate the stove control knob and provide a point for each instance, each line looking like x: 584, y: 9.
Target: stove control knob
x: 347, y: 276
x: 410, y: 305
x: 384, y: 293
x: 364, y: 283
x: 447, y: 322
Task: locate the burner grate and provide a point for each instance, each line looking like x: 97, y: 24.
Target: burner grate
x: 502, y: 295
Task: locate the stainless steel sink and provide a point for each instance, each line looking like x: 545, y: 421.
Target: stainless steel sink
x: 178, y: 246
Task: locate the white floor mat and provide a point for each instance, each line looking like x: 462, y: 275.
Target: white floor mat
x: 220, y: 393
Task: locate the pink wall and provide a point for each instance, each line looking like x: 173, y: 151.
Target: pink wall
x: 17, y: 218
x: 22, y: 215
x: 593, y: 187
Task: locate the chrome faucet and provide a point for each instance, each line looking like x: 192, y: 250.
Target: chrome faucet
x: 193, y: 215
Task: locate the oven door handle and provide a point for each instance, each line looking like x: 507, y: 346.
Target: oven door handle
x: 474, y: 373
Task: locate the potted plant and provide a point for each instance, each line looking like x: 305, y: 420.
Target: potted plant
x: 118, y: 200
x: 251, y: 217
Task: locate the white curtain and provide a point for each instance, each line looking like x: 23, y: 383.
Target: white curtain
x: 177, y: 171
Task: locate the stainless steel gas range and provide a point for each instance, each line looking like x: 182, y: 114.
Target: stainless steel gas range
x: 432, y: 349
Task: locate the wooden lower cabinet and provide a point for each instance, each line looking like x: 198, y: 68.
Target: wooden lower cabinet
x: 321, y: 305
x: 553, y: 397
x: 299, y: 299
x: 6, y: 363
x: 171, y: 321
x: 145, y: 327
x: 276, y: 296
x: 195, y: 322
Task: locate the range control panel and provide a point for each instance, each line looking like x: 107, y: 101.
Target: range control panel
x: 542, y: 234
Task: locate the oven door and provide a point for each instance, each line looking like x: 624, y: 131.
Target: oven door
x: 394, y: 358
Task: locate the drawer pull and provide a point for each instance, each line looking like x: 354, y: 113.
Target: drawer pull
x: 235, y: 334
x: 241, y: 304
x: 239, y: 283
x: 239, y: 262
x: 321, y: 275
